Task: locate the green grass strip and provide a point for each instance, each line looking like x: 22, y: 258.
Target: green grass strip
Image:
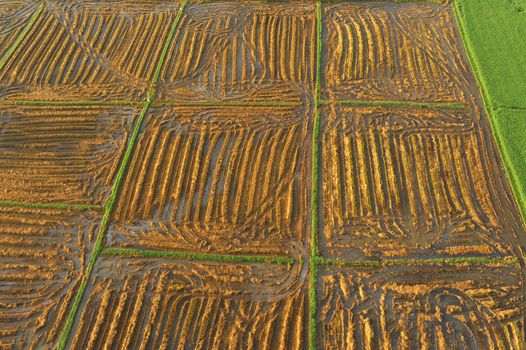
x: 227, y: 104
x: 313, y: 306
x: 21, y: 36
x: 75, y: 103
x: 164, y: 52
x: 315, y: 184
x: 51, y: 205
x: 99, y: 242
x: 139, y: 253
x: 401, y: 104
x: 509, y: 260
x: 313, y: 274
x: 319, y: 50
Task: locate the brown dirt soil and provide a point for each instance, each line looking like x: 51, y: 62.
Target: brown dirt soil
x: 61, y: 154
x: 408, y: 308
x: 42, y: 254
x: 387, y: 51
x: 233, y: 50
x: 162, y: 304
x: 217, y: 179
x: 87, y: 51
x: 404, y: 182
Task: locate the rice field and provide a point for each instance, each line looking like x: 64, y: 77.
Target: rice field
x: 250, y: 175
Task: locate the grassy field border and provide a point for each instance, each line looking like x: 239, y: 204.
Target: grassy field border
x: 99, y: 242
x: 205, y: 257
x: 475, y: 260
x: 55, y: 103
x: 493, y: 114
x: 225, y: 104
x: 314, y: 251
x: 51, y: 205
x: 399, y: 104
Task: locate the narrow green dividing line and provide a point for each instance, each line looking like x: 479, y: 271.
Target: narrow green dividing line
x: 21, y: 36
x: 56, y: 103
x: 399, y: 104
x: 139, y: 253
x: 164, y: 52
x: 508, y: 260
x: 51, y: 205
x: 313, y: 272
x: 226, y: 104
x: 99, y: 242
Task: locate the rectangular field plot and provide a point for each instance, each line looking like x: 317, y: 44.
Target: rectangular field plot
x: 164, y: 304
x: 448, y: 307
x: 88, y: 51
x: 225, y: 51
x: 385, y: 51
x: 61, y: 154
x: 217, y: 179
x: 410, y: 183
x: 42, y: 256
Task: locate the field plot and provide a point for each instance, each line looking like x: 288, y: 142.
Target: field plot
x: 61, y: 154
x: 403, y: 182
x: 42, y: 255
x: 230, y: 51
x: 385, y: 51
x: 84, y: 50
x: 162, y: 304
x: 294, y: 175
x: 226, y: 179
x: 462, y: 307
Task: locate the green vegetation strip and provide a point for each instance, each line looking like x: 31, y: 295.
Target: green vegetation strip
x: 167, y: 43
x: 74, y: 103
x: 99, y: 243
x: 313, y: 275
x: 50, y: 205
x: 493, y: 33
x: 509, y: 260
x: 21, y: 36
x: 226, y: 104
x: 138, y: 253
x: 400, y: 104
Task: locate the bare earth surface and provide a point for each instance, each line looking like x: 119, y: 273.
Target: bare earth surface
x: 250, y: 175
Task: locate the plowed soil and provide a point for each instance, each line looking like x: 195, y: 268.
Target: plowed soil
x: 42, y: 255
x: 155, y: 303
x: 62, y: 154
